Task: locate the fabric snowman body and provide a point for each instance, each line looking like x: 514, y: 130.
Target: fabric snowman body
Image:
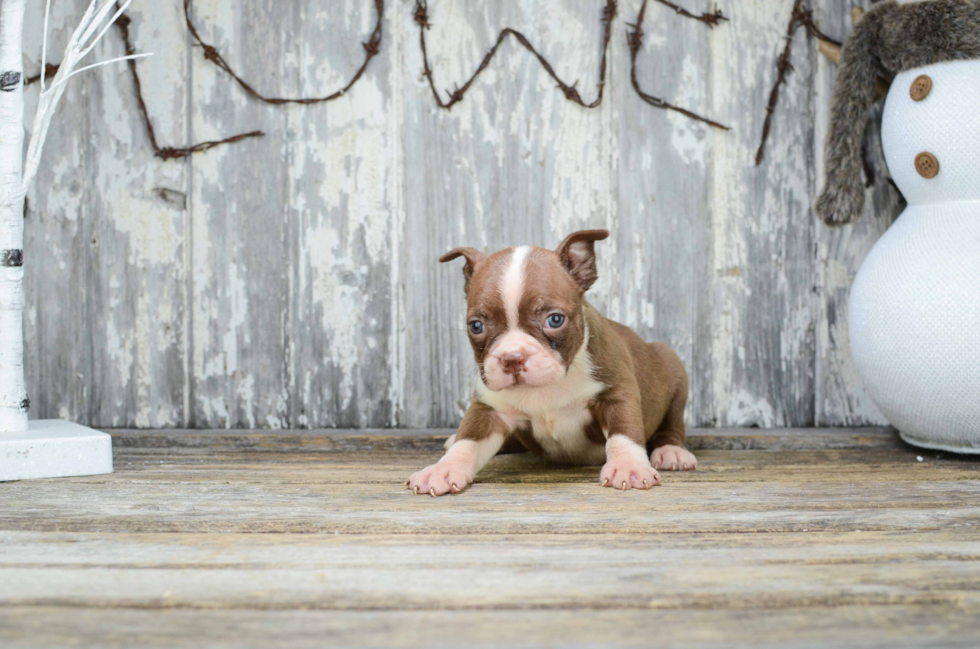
x: 914, y: 311
x: 914, y: 315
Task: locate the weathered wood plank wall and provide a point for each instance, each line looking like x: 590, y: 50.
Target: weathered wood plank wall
x: 291, y: 280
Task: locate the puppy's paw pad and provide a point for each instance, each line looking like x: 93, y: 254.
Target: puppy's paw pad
x: 439, y: 479
x: 624, y: 474
x: 673, y: 458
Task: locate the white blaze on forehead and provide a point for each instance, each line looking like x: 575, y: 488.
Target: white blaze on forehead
x: 512, y: 285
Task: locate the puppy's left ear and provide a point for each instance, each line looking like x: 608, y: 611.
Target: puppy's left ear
x: 577, y: 253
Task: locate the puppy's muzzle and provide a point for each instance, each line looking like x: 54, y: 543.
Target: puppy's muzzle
x: 513, y: 363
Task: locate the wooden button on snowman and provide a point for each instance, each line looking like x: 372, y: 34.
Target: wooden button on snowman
x: 920, y: 87
x: 914, y: 310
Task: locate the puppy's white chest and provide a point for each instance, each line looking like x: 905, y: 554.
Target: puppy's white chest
x: 561, y: 435
x: 557, y: 416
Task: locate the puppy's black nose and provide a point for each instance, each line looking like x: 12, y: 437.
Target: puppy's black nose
x: 513, y: 362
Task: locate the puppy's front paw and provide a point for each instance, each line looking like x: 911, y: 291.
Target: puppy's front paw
x: 673, y: 458
x: 627, y: 473
x: 440, y: 478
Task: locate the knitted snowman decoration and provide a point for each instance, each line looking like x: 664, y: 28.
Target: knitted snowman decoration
x: 914, y: 316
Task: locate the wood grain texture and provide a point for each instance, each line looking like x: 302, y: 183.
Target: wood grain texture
x: 898, y: 626
x: 295, y: 486
x: 362, y: 439
x: 662, y: 229
x: 343, y: 186
x: 762, y: 308
x: 241, y: 231
x: 106, y: 229
x: 840, y: 398
x: 291, y: 281
x: 295, y: 545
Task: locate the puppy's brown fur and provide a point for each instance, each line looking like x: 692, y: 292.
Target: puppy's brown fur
x: 583, y: 388
x: 650, y: 373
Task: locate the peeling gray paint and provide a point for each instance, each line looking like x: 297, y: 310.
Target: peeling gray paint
x: 291, y: 281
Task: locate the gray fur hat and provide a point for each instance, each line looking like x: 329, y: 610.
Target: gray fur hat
x: 891, y: 38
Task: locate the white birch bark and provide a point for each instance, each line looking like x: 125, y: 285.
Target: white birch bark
x: 13, y: 389
x: 15, y: 177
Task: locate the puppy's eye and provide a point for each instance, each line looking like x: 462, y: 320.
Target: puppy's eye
x: 555, y: 320
x: 476, y: 327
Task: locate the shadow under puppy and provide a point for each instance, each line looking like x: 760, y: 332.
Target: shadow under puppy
x: 558, y: 377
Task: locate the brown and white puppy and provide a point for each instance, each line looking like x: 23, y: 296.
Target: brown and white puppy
x: 558, y: 377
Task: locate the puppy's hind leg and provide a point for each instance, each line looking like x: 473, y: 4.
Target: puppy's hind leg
x: 669, y: 453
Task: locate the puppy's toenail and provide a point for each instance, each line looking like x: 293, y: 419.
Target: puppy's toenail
x: 432, y: 491
x: 416, y: 490
x: 624, y: 485
x: 605, y: 482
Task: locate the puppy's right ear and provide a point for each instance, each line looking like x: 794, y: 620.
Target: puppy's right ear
x: 473, y: 257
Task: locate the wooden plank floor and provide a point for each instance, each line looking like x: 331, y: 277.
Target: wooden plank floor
x: 782, y: 539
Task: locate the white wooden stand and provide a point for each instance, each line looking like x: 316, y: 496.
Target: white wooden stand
x: 53, y: 448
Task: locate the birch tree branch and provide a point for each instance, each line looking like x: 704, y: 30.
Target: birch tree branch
x: 81, y: 43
